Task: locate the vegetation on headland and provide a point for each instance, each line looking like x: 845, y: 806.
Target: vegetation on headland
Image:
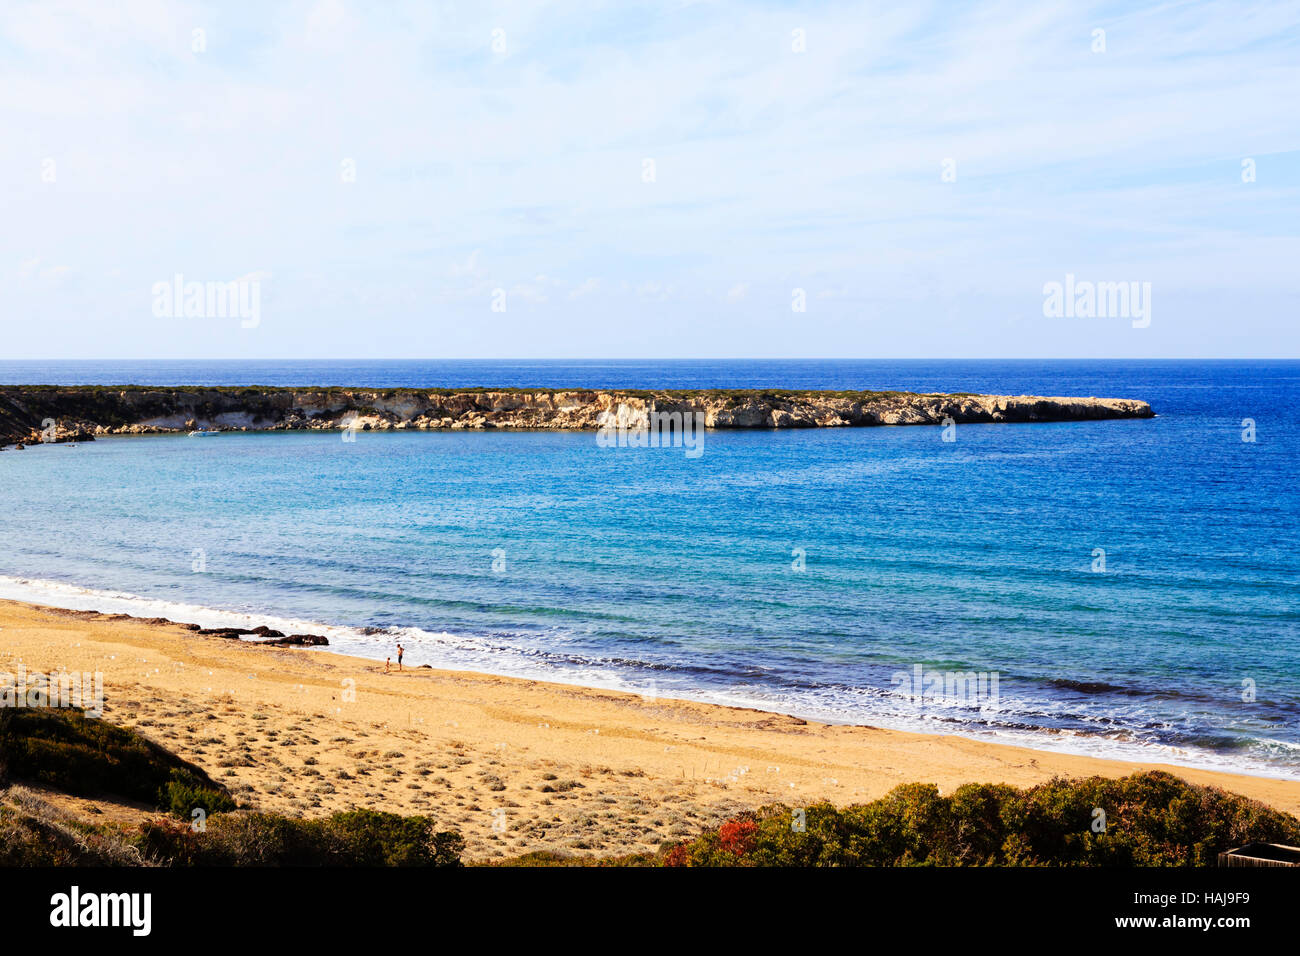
x: 1145, y: 819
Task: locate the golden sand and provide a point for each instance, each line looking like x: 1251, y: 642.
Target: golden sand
x: 515, y: 765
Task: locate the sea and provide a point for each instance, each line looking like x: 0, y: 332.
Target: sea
x: 1128, y: 589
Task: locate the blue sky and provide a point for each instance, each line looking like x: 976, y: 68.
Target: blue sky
x: 515, y: 160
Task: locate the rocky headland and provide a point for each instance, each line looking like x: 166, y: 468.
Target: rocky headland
x: 32, y: 414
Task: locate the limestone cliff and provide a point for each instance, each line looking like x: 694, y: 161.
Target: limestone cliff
x: 30, y: 413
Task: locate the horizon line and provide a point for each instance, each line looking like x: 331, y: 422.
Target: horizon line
x: 729, y: 358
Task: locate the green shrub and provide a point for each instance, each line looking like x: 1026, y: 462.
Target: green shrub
x: 355, y: 838
x: 371, y: 838
x: 181, y: 796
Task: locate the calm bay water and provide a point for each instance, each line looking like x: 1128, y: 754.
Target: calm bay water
x: 645, y: 569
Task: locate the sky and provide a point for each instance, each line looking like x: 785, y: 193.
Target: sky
x: 648, y: 180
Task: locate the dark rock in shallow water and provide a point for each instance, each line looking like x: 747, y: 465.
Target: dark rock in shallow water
x: 261, y: 631
x: 273, y: 638
x: 298, y: 640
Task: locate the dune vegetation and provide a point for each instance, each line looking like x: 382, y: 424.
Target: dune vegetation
x: 1145, y: 819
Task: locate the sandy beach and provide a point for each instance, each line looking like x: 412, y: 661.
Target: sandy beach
x: 515, y: 765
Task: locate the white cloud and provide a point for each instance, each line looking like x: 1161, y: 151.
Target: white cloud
x: 586, y: 288
x: 469, y: 267
x: 819, y: 170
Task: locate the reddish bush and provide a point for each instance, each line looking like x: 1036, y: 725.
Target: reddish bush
x: 738, y: 837
x: 678, y: 855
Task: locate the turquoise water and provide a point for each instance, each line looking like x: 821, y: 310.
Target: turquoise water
x: 544, y: 555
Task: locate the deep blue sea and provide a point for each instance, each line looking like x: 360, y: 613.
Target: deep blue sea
x: 797, y: 571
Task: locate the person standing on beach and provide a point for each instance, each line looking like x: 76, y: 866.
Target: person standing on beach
x: 400, y: 651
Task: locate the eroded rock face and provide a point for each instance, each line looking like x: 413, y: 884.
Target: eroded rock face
x: 81, y: 413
